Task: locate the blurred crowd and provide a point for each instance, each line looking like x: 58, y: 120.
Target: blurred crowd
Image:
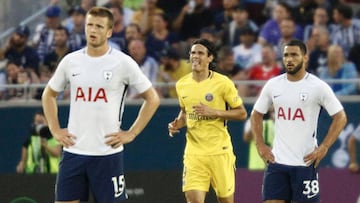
x: 157, y: 34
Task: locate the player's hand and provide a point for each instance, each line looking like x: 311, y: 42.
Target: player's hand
x: 354, y: 167
x: 316, y: 156
x: 117, y: 139
x: 20, y: 167
x: 63, y: 136
x: 174, y: 126
x: 265, y: 153
x: 203, y: 110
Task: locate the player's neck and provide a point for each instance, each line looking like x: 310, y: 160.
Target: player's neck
x: 201, y: 75
x: 97, y: 51
x: 297, y: 76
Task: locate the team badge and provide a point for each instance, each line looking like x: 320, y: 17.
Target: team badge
x: 303, y: 96
x: 108, y: 75
x: 209, y: 97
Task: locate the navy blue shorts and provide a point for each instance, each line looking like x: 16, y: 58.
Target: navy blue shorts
x: 291, y: 183
x: 102, y: 175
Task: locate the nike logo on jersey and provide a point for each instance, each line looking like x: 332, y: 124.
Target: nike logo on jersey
x: 311, y: 196
x: 276, y: 96
x: 184, y: 97
x: 75, y: 74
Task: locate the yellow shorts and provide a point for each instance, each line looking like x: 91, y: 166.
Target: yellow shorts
x: 216, y: 170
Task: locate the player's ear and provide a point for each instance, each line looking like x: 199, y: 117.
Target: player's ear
x: 306, y: 58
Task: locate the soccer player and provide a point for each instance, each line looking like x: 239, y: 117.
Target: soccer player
x: 207, y: 100
x: 98, y: 76
x: 297, y: 97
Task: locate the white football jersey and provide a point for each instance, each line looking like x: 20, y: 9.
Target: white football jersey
x: 297, y: 107
x: 98, y: 89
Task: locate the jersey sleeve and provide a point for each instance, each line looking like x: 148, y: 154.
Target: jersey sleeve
x: 231, y: 95
x: 59, y: 80
x: 137, y: 78
x: 329, y: 100
x: 264, y: 101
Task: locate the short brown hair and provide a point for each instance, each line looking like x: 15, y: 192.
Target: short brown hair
x: 102, y: 12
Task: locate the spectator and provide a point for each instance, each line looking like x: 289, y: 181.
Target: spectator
x: 240, y: 16
x: 320, y: 18
x: 61, y: 48
x: 248, y: 52
x: 270, y: 31
x: 267, y: 69
x: 287, y: 33
x: 320, y: 38
x: 303, y: 13
x: 17, y: 75
x: 77, y: 30
x: 43, y: 39
x: 211, y: 34
x: 118, y: 31
x: 160, y: 36
x: 226, y: 65
x: 143, y: 16
x: 88, y: 4
x: 191, y: 20
x: 148, y: 64
x: 347, y: 33
x: 132, y: 32
x: 171, y: 8
x: 127, y: 12
x: 339, y: 68
x: 84, y: 4
x: 256, y: 10
x: 40, y: 152
x: 172, y: 68
x: 224, y: 16
x: 18, y: 50
x: 352, y: 149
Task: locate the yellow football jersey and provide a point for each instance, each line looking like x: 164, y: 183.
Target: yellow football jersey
x: 207, y: 135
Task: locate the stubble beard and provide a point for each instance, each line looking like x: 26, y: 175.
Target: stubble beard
x: 295, y: 70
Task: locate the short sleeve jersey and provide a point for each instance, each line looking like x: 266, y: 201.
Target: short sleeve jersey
x: 297, y: 107
x: 207, y: 135
x: 98, y: 89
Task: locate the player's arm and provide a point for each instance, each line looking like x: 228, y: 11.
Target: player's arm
x: 50, y: 108
x: 247, y: 135
x: 264, y: 151
x: 238, y: 113
x: 51, y: 113
x: 147, y: 110
x: 353, y: 165
x: 337, y: 125
x: 178, y: 123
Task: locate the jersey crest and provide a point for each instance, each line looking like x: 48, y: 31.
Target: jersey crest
x: 209, y: 97
x: 107, y: 75
x: 303, y: 96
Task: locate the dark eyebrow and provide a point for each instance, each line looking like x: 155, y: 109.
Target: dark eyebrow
x: 291, y: 53
x: 200, y: 52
